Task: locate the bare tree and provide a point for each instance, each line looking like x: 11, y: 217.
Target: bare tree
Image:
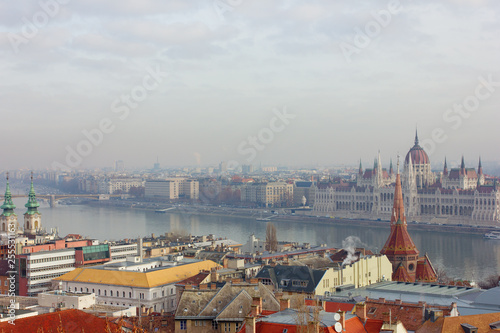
x: 307, y: 319
x: 271, y: 238
x: 491, y: 281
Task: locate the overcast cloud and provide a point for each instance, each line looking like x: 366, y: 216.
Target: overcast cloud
x: 231, y: 63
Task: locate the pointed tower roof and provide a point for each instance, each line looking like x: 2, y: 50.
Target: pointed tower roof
x: 445, y: 169
x: 425, y: 270
x: 401, y: 274
x: 391, y: 170
x: 360, y: 168
x: 399, y: 241
x: 416, y: 137
x: 8, y: 206
x: 32, y: 204
x: 462, y: 166
x: 479, y: 167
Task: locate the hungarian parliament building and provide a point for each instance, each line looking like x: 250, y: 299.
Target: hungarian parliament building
x: 453, y: 196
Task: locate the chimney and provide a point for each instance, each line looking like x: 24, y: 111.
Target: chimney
x: 225, y: 262
x: 250, y: 324
x: 203, y: 286
x: 188, y: 287
x: 213, y: 276
x: 255, y: 310
x: 213, y: 286
x: 257, y: 301
x: 435, y: 314
x: 323, y: 304
x: 278, y: 295
x: 254, y: 281
x: 284, y: 304
x: 139, y: 248
x: 361, y: 311
x: 342, y: 317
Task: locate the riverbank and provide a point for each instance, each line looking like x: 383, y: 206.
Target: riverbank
x: 262, y: 215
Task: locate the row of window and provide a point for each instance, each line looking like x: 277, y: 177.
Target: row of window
x: 123, y: 293
x: 50, y: 268
x: 42, y: 260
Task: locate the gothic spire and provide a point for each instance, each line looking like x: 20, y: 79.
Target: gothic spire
x: 360, y: 167
x: 391, y: 170
x: 416, y: 137
x: 32, y: 204
x: 479, y: 167
x: 445, y: 169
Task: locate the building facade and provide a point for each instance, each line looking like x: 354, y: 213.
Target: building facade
x: 272, y: 194
x: 457, y: 196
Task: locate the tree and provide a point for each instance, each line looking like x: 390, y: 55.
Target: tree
x: 491, y: 281
x: 137, y: 191
x: 271, y: 239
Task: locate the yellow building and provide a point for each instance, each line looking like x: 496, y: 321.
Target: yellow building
x: 133, y: 285
x: 365, y: 271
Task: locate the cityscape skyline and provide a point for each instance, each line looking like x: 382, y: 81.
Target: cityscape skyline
x: 283, y: 83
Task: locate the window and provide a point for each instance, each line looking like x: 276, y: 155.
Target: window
x: 123, y: 294
x: 183, y: 325
x: 130, y: 295
x: 227, y: 327
x: 215, y: 325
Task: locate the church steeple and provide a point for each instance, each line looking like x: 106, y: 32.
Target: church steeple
x: 416, y: 137
x: 8, y: 206
x: 399, y: 247
x: 360, y: 168
x: 32, y: 217
x: 8, y: 219
x: 391, y: 170
x: 445, y: 169
x: 32, y: 204
x: 479, y: 167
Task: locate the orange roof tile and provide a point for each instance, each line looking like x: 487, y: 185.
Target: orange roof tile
x: 61, y: 321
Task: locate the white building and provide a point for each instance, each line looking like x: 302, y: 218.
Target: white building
x: 153, y: 288
x: 173, y: 188
x: 36, y: 270
x: 456, y: 196
x: 120, y: 252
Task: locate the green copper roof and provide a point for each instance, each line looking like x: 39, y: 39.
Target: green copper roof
x: 32, y: 204
x: 8, y: 206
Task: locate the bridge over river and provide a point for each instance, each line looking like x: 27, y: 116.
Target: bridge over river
x: 53, y: 198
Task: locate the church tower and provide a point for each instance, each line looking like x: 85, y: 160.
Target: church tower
x: 32, y: 217
x: 8, y: 219
x: 399, y: 247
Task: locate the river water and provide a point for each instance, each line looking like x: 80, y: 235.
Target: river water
x: 464, y: 256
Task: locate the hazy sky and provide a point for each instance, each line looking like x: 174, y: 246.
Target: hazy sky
x: 278, y: 82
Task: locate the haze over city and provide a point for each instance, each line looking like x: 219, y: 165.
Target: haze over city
x: 208, y: 75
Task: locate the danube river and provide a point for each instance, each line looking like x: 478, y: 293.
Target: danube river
x: 462, y: 255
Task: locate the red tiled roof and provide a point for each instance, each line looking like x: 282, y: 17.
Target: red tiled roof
x: 453, y: 324
x: 333, y: 306
x: 401, y: 274
x: 68, y: 321
x: 373, y: 325
x: 425, y: 271
x: 354, y: 325
x: 399, y: 241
